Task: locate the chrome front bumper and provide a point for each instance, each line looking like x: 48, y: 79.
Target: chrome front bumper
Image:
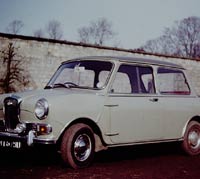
x: 29, y: 139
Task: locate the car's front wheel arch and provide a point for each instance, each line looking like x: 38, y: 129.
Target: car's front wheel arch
x: 98, y: 139
x: 90, y: 123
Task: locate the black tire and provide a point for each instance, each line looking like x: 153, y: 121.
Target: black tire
x: 77, y: 147
x: 191, y: 142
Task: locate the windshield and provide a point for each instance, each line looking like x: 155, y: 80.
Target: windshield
x: 81, y: 74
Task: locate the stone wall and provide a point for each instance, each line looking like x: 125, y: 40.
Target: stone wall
x: 43, y: 56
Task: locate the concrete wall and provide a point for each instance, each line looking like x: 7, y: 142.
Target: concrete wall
x: 43, y: 56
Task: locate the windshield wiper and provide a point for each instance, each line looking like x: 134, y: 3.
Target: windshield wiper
x: 64, y: 85
x: 48, y: 87
x: 57, y: 85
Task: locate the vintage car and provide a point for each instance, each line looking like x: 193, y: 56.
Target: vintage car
x: 93, y: 103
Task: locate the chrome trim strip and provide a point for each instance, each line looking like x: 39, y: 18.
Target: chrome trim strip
x: 19, y: 99
x: 145, y: 142
x: 7, y: 134
x: 149, y: 95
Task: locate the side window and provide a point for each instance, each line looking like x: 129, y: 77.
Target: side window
x: 133, y: 79
x: 172, y: 81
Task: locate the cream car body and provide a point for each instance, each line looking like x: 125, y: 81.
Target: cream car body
x: 118, y: 101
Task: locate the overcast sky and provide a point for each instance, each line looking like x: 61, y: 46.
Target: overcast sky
x: 134, y: 21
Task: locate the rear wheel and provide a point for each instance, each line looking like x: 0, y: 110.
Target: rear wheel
x: 191, y: 142
x: 77, y: 147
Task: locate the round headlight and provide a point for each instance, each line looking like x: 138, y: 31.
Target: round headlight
x: 41, y: 109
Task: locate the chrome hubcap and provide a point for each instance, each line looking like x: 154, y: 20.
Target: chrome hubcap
x: 82, y: 147
x: 194, y: 139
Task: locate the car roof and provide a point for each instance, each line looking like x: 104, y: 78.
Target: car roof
x: 129, y: 60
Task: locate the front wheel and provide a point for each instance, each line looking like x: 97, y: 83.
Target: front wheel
x: 77, y: 147
x: 191, y: 142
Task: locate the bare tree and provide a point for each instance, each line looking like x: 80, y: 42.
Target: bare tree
x: 98, y: 32
x: 182, y: 39
x: 54, y: 29
x: 15, y: 27
x: 160, y: 45
x: 14, y: 74
x: 197, y: 51
x: 39, y: 33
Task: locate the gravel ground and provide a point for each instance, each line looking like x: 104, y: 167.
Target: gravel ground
x: 158, y: 161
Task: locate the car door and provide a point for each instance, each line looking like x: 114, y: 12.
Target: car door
x: 134, y: 106
x: 177, y: 101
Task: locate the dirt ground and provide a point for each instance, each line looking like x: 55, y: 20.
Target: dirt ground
x: 158, y: 161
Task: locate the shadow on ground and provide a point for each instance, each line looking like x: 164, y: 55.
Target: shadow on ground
x: 160, y: 161
x: 44, y: 155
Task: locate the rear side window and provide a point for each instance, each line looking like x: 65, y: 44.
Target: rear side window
x: 172, y: 82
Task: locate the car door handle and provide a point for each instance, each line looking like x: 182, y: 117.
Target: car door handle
x: 153, y: 99
x: 111, y: 105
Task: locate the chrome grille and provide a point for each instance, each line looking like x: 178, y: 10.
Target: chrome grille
x: 1, y: 120
x: 11, y: 112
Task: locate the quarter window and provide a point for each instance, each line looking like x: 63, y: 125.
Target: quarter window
x: 173, y: 82
x: 133, y: 79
